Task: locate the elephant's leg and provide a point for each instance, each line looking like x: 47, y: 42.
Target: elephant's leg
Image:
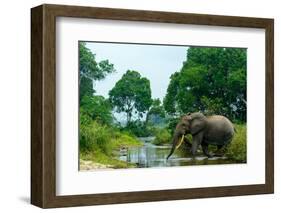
x: 196, y: 141
x: 206, y: 150
x: 220, y: 151
x: 187, y: 144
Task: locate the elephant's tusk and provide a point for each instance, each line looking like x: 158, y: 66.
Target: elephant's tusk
x: 180, y: 142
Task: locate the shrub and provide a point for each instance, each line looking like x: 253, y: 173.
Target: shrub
x: 124, y: 140
x: 172, y: 123
x: 237, y: 150
x: 137, y: 128
x: 95, y: 136
x: 162, y: 136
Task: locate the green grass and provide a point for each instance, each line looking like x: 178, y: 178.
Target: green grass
x: 237, y: 150
x: 101, y: 143
x: 124, y: 140
x: 95, y: 136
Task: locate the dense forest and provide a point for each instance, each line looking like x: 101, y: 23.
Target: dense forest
x: 211, y: 80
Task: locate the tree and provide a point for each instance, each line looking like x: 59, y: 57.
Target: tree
x: 131, y: 94
x: 86, y: 87
x: 212, y: 80
x: 97, y: 108
x: 169, y: 101
x: 90, y: 70
x: 156, y: 113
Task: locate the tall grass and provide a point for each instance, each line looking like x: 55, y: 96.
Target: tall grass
x: 94, y: 137
x: 237, y: 150
x: 100, y: 143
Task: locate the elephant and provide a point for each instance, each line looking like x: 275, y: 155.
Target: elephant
x: 205, y: 130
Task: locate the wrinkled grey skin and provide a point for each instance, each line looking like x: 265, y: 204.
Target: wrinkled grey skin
x: 216, y: 130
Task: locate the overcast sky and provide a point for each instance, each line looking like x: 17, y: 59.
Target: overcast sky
x: 155, y: 62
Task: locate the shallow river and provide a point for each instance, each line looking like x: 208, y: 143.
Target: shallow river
x: 150, y: 155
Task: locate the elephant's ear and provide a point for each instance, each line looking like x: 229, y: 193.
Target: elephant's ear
x: 197, y: 125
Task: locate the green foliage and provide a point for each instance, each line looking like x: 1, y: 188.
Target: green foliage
x: 162, y: 136
x: 170, y: 101
x: 99, y: 142
x: 123, y: 139
x: 156, y: 114
x: 137, y: 128
x: 85, y: 119
x: 156, y: 108
x: 97, y: 107
x: 212, y: 80
x: 95, y: 137
x: 213, y: 106
x: 86, y: 87
x: 131, y: 94
x: 90, y: 69
x: 172, y: 123
x: 237, y: 150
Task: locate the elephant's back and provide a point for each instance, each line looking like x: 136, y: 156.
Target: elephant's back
x: 220, y: 130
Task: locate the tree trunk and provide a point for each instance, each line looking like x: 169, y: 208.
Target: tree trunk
x: 128, y: 118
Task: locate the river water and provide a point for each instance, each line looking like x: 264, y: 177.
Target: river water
x: 150, y: 155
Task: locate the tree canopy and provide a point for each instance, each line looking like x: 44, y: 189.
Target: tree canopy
x: 90, y: 70
x: 97, y: 108
x: 131, y: 94
x: 156, y: 113
x: 212, y: 80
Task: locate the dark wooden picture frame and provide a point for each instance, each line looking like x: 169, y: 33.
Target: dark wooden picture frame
x: 43, y: 105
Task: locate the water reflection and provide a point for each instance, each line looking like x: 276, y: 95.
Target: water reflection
x: 150, y: 155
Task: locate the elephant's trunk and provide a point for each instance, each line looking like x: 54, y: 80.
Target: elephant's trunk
x: 177, y: 141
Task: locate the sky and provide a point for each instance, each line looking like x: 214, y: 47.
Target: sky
x: 155, y: 62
